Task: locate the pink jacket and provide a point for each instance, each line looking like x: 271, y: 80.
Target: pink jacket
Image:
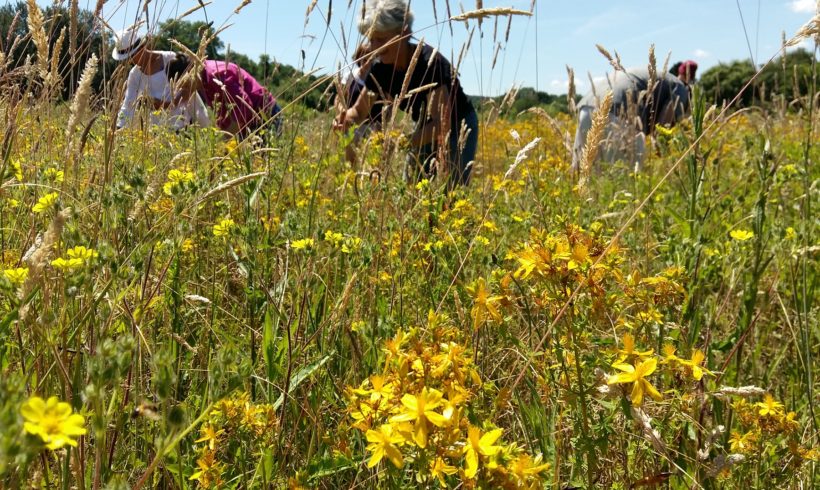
x: 235, y: 95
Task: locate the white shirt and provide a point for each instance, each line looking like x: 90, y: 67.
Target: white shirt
x: 157, y: 86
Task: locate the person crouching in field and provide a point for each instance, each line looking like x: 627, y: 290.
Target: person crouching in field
x: 242, y: 105
x: 446, y: 131
x: 149, y: 82
x: 635, y: 111
x: 352, y: 87
x: 685, y: 71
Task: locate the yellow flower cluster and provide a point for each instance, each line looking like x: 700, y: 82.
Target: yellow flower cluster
x: 224, y: 227
x: 45, y: 203
x: 346, y: 243
x: 234, y: 423
x: 177, y: 178
x: 415, y: 414
x: 75, y: 258
x: 16, y: 276
x: 765, y: 424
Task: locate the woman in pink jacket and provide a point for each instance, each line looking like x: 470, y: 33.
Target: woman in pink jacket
x: 242, y: 105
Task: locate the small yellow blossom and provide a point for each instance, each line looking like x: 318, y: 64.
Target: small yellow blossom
x: 176, y: 179
x: 484, y: 305
x: 82, y: 253
x: 53, y: 174
x: 45, y: 203
x: 16, y: 276
x: 210, y: 436
x: 635, y: 375
x: 629, y: 349
x: 741, y: 235
x: 790, y: 233
x: 383, y: 443
x: 187, y: 245
x: 769, y: 406
x: 304, y: 243
x: 439, y: 469
x: 742, y: 443
x: 420, y: 409
x: 224, y: 227
x: 66, y: 265
x: 695, y: 364
x: 53, y: 421
x: 479, y: 445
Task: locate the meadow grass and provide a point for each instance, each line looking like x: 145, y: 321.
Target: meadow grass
x: 262, y: 315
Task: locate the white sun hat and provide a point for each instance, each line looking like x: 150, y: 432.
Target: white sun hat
x: 127, y: 43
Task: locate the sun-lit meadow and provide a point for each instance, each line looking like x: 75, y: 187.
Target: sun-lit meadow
x: 182, y: 311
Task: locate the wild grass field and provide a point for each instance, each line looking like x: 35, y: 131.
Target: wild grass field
x: 181, y: 311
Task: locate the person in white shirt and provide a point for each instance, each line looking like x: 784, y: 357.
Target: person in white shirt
x: 148, y: 80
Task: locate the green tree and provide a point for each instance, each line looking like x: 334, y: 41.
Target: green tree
x: 788, y: 76
x: 189, y: 34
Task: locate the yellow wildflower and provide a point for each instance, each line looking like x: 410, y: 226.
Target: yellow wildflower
x: 383, y: 443
x: 669, y: 354
x: 741, y: 235
x: 16, y: 276
x: 479, y: 445
x: 629, y: 349
x: 82, y: 253
x: 304, y: 243
x: 53, y: 174
x: 53, y: 421
x: 440, y: 469
x: 695, y: 365
x: 420, y: 409
x: 635, y: 375
x: 769, y: 406
x: 67, y: 264
x: 210, y: 436
x: 176, y: 179
x: 224, y: 227
x: 524, y: 467
x: 484, y: 305
x: 742, y: 443
x: 45, y: 203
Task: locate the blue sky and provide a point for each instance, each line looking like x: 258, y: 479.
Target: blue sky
x: 562, y: 33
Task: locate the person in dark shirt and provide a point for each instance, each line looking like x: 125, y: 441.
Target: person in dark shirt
x: 446, y: 125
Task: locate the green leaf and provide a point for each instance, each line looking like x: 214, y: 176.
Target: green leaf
x: 300, y: 377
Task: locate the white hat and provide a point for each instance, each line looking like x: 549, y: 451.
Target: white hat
x: 128, y: 42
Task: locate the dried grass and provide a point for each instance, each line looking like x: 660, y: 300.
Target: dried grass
x: 600, y: 120
x: 489, y: 12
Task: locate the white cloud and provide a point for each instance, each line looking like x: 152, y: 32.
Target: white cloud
x: 701, y: 54
x: 803, y: 6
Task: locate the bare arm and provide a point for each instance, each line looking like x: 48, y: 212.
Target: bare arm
x: 356, y: 113
x: 434, y: 129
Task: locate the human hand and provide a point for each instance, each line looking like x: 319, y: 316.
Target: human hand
x: 340, y: 122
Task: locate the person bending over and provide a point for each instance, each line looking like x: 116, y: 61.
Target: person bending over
x: 636, y: 109
x: 352, y: 86
x: 242, y: 105
x: 149, y: 81
x: 446, y: 125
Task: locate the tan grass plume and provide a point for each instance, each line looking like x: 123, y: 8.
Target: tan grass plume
x: 489, y: 12
x: 79, y: 106
x: 36, y: 28
x: 600, y: 120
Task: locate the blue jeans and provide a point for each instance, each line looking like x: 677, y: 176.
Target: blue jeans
x: 460, y: 158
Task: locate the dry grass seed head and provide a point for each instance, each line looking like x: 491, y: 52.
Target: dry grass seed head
x: 600, y: 120
x: 36, y: 29
x: 79, y: 106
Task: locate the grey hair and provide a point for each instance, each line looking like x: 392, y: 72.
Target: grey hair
x: 385, y: 16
